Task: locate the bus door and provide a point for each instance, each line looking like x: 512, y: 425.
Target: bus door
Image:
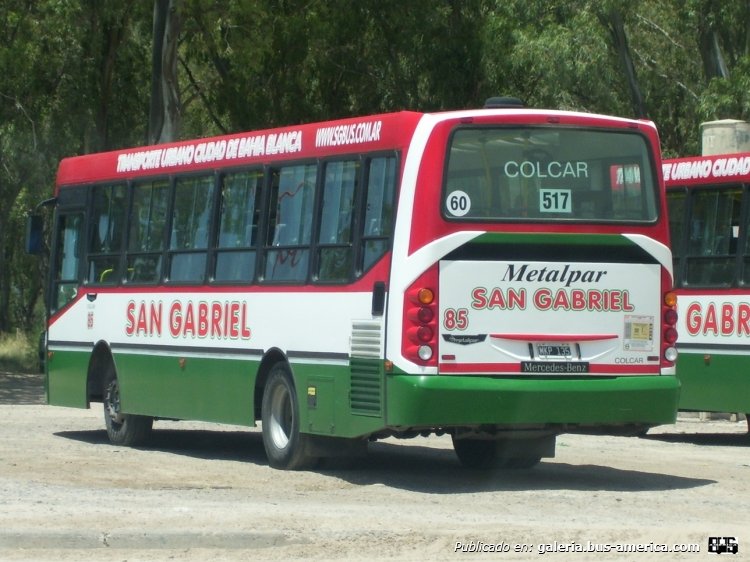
x: 67, y: 249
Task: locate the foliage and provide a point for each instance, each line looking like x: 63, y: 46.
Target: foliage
x: 77, y: 76
x: 19, y: 353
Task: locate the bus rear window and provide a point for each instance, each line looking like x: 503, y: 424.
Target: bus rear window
x: 549, y: 174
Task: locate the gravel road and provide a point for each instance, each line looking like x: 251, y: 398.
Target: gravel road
x: 205, y: 492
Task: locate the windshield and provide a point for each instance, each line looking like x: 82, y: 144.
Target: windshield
x: 549, y: 174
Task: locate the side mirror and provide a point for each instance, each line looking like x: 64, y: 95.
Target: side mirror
x: 34, y: 234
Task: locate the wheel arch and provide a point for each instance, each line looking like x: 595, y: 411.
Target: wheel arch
x: 270, y: 358
x: 101, y: 359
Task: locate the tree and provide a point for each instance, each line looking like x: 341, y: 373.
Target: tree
x: 77, y: 78
x: 275, y: 62
x: 21, y: 148
x: 553, y: 55
x: 612, y: 21
x: 70, y: 85
x: 164, y: 119
x: 724, y: 44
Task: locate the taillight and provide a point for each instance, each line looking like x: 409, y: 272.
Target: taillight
x: 425, y: 314
x: 670, y: 335
x: 425, y: 334
x: 419, y: 343
x: 425, y: 295
x: 670, y: 299
x: 670, y: 317
x: 668, y: 327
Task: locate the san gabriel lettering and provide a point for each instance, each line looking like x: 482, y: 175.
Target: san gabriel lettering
x: 565, y: 298
x: 202, y: 319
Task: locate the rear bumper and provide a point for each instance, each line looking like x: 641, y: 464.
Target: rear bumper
x: 454, y: 401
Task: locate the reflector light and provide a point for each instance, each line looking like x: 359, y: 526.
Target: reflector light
x: 425, y: 352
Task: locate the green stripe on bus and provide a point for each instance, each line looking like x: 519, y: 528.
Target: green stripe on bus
x: 552, y: 239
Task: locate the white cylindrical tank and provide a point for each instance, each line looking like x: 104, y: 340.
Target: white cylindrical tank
x: 725, y: 137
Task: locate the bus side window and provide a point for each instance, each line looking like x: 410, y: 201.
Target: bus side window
x: 188, y: 243
x: 712, y: 247
x: 238, y: 226
x: 148, y: 221
x: 335, y: 259
x: 106, y: 234
x: 287, y: 253
x: 378, y: 222
x: 67, y: 259
x: 677, y: 205
x: 744, y: 231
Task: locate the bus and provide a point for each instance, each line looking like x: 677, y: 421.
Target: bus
x: 500, y: 275
x: 709, y: 213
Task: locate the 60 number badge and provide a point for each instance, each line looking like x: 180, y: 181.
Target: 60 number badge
x: 458, y: 203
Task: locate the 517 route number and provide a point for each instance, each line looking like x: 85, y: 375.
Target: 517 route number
x: 555, y: 201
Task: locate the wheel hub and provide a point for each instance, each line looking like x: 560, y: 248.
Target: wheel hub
x: 281, y: 417
x: 112, y: 402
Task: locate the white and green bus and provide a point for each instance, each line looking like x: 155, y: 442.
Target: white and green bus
x: 709, y: 212
x: 501, y: 275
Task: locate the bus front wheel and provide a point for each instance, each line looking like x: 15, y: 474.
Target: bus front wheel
x: 122, y: 429
x: 285, y: 446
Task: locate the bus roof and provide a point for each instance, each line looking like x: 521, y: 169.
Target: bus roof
x: 376, y: 132
x: 705, y: 170
x: 388, y: 131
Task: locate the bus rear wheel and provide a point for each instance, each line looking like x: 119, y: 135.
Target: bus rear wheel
x: 122, y: 429
x: 285, y: 446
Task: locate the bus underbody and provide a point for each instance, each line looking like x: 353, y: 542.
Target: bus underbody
x: 308, y: 413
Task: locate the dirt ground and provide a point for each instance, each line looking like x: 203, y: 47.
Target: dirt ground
x: 205, y: 492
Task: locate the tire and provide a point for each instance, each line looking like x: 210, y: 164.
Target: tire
x: 285, y: 446
x: 122, y: 429
x: 475, y: 453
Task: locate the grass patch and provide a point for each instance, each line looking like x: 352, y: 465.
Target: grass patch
x: 18, y: 353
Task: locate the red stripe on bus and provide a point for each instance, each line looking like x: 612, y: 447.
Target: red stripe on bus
x: 555, y: 337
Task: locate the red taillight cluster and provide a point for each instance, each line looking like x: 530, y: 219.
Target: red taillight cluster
x: 419, y: 343
x: 669, y: 326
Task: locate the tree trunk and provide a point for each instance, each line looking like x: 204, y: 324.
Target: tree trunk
x: 5, y: 280
x: 164, y: 118
x: 4, y: 293
x: 612, y: 21
x: 713, y: 60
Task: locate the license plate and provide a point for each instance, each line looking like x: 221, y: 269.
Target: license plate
x: 553, y: 350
